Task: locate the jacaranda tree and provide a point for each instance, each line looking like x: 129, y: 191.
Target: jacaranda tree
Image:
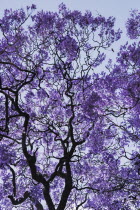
x: 69, y: 125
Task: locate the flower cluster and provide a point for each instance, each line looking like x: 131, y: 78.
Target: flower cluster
x: 68, y: 46
x: 133, y: 25
x: 6, y: 156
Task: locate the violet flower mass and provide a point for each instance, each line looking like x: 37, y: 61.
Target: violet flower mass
x: 69, y: 135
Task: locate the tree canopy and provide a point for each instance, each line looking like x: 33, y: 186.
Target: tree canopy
x: 69, y: 125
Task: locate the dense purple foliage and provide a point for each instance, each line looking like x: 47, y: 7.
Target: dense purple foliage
x: 69, y: 136
x: 133, y: 25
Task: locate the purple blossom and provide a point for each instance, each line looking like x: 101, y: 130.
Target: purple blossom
x: 33, y: 6
x: 69, y: 131
x: 68, y: 46
x: 133, y: 25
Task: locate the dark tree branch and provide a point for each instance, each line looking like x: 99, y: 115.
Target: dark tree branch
x: 20, y: 200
